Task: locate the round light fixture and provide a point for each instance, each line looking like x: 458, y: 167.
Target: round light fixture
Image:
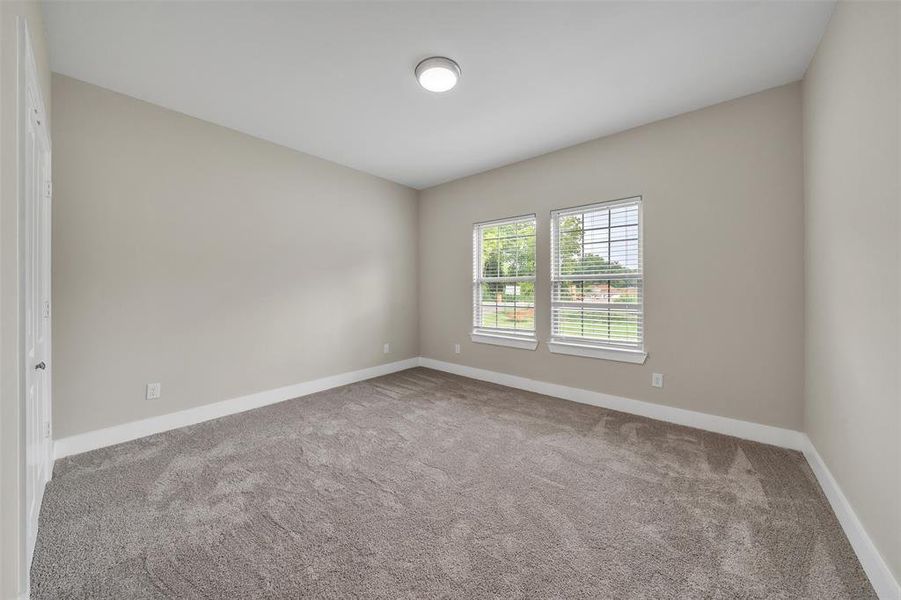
x: 437, y: 74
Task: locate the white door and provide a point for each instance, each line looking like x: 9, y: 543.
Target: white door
x: 36, y: 188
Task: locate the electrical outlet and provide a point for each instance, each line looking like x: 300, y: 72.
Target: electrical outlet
x: 657, y: 380
x: 387, y: 348
x: 153, y: 391
x: 456, y: 348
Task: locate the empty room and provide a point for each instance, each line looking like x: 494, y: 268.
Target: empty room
x: 464, y: 299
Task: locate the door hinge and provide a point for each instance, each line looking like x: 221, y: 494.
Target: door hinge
x: 45, y: 309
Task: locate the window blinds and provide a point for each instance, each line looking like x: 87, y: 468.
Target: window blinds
x: 503, y: 289
x: 596, y: 275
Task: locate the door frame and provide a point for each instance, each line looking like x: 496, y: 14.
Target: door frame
x: 34, y: 216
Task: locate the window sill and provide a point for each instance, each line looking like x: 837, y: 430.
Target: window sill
x: 605, y: 353
x: 525, y: 343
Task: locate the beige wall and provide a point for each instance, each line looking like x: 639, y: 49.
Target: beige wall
x: 191, y: 255
x: 723, y: 238
x: 12, y: 413
x: 852, y: 163
x: 212, y: 262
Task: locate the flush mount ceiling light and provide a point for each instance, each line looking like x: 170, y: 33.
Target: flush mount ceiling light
x: 437, y: 74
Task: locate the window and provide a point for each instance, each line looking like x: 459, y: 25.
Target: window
x: 596, y: 281
x: 503, y: 288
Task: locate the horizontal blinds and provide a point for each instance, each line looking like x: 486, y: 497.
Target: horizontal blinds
x: 596, y: 274
x: 504, y: 276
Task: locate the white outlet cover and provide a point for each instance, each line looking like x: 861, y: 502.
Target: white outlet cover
x: 456, y: 348
x: 153, y: 391
x: 387, y: 348
x: 657, y: 380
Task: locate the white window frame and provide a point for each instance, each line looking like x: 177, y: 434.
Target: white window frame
x: 527, y: 339
x: 576, y: 346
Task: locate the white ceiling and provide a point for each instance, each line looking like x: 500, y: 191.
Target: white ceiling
x: 335, y: 79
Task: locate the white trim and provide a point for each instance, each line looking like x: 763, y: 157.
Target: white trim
x: 603, y: 204
x: 885, y: 584
x: 506, y: 220
x: 557, y: 277
x: 117, y: 434
x: 34, y: 214
x: 767, y: 434
x: 478, y: 278
x: 606, y: 352
x: 526, y: 343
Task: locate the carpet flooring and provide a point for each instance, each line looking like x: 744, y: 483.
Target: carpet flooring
x: 422, y: 485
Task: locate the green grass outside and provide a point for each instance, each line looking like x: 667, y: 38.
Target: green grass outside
x: 599, y: 326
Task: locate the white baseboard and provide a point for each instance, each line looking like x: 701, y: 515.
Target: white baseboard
x: 885, y: 584
x: 877, y: 570
x: 117, y: 434
x: 776, y: 436
x: 873, y: 564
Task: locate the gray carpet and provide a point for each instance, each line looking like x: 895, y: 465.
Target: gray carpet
x: 427, y: 485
